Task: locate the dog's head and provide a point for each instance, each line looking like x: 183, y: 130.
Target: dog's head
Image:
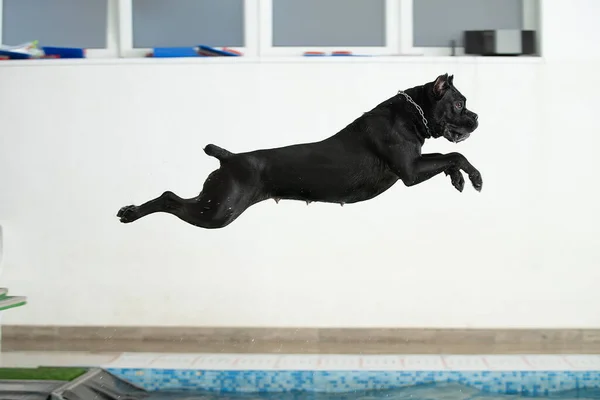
x: 450, y: 116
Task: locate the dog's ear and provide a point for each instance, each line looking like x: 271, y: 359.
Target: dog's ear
x: 451, y: 79
x: 440, y: 85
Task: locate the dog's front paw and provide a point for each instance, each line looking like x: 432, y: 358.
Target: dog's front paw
x: 128, y: 214
x: 476, y: 180
x: 457, y: 179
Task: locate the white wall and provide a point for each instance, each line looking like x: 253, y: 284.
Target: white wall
x: 80, y: 141
x: 570, y: 29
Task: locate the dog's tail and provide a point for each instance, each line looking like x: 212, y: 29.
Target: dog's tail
x: 219, y: 153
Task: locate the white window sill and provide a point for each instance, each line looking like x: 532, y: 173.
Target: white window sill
x: 275, y: 60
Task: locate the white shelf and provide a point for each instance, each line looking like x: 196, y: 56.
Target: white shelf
x: 272, y: 60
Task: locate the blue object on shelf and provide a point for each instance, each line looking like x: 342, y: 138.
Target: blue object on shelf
x: 64, y: 52
x: 166, y: 52
x: 211, y: 51
x: 14, y: 55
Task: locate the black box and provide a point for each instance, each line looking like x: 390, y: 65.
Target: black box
x: 500, y: 42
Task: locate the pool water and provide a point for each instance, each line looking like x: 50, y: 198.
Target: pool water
x: 449, y: 391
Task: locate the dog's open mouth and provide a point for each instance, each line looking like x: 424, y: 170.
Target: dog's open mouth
x: 455, y: 135
x: 459, y: 137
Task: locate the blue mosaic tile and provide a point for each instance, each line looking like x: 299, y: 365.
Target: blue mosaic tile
x: 534, y: 383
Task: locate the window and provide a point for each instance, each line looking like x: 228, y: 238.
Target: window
x: 130, y: 28
x: 438, y: 22
x: 291, y: 27
x: 63, y: 23
x: 147, y: 24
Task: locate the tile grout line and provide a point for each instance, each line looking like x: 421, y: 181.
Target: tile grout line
x: 301, y: 363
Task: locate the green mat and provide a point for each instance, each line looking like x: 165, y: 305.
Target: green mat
x: 42, y: 373
x: 7, y: 302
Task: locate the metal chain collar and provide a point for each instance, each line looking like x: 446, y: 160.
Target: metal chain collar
x: 419, y: 109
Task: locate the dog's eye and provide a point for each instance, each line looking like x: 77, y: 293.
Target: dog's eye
x: 459, y: 105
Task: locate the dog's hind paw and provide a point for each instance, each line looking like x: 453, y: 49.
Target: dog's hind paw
x: 128, y: 214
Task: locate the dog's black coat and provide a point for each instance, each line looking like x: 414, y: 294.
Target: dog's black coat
x: 358, y: 163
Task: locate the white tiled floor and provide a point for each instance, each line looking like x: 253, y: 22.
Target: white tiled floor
x: 304, y: 362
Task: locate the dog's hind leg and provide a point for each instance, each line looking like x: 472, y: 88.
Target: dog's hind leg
x: 168, y: 202
x: 221, y: 201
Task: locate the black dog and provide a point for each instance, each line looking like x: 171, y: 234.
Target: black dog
x: 358, y: 163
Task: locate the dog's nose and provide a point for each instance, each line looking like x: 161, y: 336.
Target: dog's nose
x: 475, y: 116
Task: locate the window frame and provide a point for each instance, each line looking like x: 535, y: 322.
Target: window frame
x: 125, y: 25
x: 111, y: 50
x: 392, y: 34
x: 530, y: 15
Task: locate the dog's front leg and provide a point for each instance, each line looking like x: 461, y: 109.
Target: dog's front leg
x: 427, y: 166
x: 456, y: 177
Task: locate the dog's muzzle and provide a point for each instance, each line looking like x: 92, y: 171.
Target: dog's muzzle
x: 456, y: 134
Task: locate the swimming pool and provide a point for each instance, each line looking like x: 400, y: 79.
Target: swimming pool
x: 442, y: 391
x: 304, y: 377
